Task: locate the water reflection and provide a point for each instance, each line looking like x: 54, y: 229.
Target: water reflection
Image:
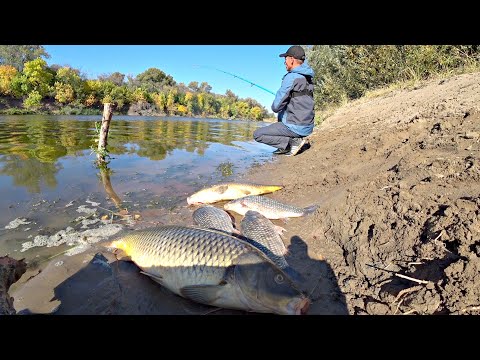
x: 39, y: 135
x: 105, y: 177
x: 30, y: 172
x: 47, y: 168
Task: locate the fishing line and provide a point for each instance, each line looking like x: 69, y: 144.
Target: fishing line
x: 238, y: 77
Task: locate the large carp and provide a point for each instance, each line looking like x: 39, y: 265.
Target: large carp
x: 213, y: 268
x: 229, y: 191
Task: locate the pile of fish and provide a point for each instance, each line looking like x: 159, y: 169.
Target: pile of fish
x: 214, y: 263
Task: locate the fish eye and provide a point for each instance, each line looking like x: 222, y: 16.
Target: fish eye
x: 279, y: 278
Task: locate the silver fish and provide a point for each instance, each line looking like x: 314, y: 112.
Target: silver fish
x: 265, y: 235
x: 213, y: 268
x: 257, y: 227
x: 270, y: 208
x: 229, y: 191
x: 211, y: 217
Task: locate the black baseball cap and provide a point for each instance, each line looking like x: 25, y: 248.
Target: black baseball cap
x: 294, y: 51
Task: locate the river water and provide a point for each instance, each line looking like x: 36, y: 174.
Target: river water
x: 50, y: 187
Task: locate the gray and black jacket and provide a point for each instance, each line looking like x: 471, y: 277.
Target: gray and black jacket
x: 294, y: 100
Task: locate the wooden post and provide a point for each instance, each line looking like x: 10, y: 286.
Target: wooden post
x: 102, y: 141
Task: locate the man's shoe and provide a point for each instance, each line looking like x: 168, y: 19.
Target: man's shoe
x: 281, y: 151
x: 296, y: 145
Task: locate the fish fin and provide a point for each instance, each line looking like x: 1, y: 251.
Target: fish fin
x: 284, y: 220
x: 247, y: 192
x: 154, y: 277
x: 205, y: 294
x: 279, y: 230
x: 121, y: 255
x: 310, y: 209
x: 232, y: 218
x: 124, y: 258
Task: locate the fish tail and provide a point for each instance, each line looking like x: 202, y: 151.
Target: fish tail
x: 310, y: 209
x: 271, y: 188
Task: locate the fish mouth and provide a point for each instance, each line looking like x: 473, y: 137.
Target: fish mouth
x: 191, y: 202
x: 299, y: 306
x: 303, y: 306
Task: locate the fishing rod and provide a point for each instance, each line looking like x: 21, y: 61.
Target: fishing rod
x: 238, y: 77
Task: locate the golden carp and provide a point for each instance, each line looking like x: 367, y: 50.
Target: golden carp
x: 213, y: 268
x: 229, y: 191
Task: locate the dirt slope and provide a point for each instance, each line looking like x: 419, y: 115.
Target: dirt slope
x: 398, y: 183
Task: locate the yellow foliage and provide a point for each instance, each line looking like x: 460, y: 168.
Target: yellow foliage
x: 139, y: 95
x: 256, y: 113
x: 33, y: 100
x: 7, y: 73
x: 38, y: 75
x: 160, y: 100
x: 93, y: 85
x: 182, y: 109
x: 69, y: 76
x: 188, y: 96
x: 90, y: 100
x: 64, y: 93
x: 107, y: 99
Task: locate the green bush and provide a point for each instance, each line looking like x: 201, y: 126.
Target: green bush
x: 16, y: 111
x: 33, y: 100
x: 347, y: 72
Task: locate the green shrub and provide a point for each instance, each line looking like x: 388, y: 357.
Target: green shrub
x: 347, y: 72
x: 33, y: 100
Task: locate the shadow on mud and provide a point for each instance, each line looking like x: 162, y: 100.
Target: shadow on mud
x: 320, y: 283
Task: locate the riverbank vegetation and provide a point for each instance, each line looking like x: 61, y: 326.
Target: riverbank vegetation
x: 343, y: 73
x: 349, y: 72
x: 29, y: 86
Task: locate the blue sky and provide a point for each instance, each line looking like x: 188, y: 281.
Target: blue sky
x: 259, y: 64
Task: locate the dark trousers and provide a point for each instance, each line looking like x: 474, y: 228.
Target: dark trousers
x: 277, y: 135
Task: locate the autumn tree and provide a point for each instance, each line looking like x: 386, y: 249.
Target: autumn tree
x: 117, y: 78
x: 68, y: 85
x: 7, y: 73
x: 171, y: 100
x: 160, y: 101
x: 93, y: 89
x: 38, y: 76
x: 139, y: 95
x: 154, y: 80
x: 230, y: 95
x: 18, y: 55
x: 193, y: 85
x: 205, y: 87
x: 64, y: 93
x: 191, y: 103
